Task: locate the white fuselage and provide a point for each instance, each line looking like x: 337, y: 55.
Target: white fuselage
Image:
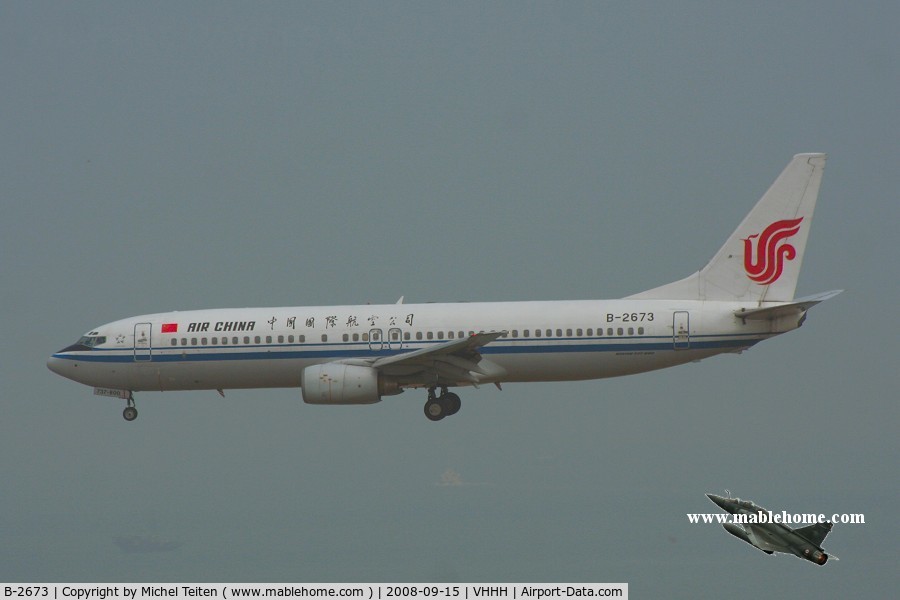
x: 358, y: 354
x: 543, y: 341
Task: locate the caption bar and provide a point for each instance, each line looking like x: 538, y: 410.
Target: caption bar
x: 380, y: 591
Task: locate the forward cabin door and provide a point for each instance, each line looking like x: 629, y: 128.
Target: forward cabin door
x: 376, y: 342
x: 142, y: 346
x: 681, y: 330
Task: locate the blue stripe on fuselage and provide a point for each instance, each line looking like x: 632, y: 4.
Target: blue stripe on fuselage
x: 343, y: 350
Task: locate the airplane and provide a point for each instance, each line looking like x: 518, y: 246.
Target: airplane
x: 804, y: 542
x: 347, y: 355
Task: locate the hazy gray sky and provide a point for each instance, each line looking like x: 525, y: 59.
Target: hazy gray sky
x: 170, y: 155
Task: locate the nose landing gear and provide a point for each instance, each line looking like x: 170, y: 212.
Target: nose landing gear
x: 130, y: 413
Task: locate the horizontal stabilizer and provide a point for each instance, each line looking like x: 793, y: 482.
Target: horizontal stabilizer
x: 801, y: 305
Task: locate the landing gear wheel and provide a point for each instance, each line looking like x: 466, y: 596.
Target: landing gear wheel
x: 435, y: 410
x: 451, y: 402
x: 130, y: 413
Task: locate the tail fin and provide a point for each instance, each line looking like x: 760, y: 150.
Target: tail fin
x: 761, y: 260
x: 815, y: 534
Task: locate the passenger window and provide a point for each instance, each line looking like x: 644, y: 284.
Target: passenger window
x: 631, y: 331
x: 257, y: 340
x: 324, y: 337
x: 268, y: 339
x: 515, y: 333
x: 590, y: 332
x: 215, y: 341
x: 569, y: 333
x: 525, y: 333
x: 365, y: 337
x: 301, y: 339
x: 246, y: 339
x: 174, y: 342
x: 290, y: 339
x: 640, y: 331
x: 549, y: 333
x: 405, y: 335
x: 395, y: 335
x: 346, y: 337
x: 609, y: 331
x: 280, y: 339
x: 450, y: 335
x: 355, y: 337
x: 203, y: 341
x: 430, y: 335
x: 620, y: 332
x: 577, y: 332
x: 193, y: 341
x: 537, y: 333
x: 440, y: 335
x: 224, y: 341
x: 461, y: 335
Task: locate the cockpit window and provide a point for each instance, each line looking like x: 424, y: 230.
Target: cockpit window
x: 86, y: 342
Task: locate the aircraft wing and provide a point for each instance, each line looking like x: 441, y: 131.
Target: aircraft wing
x: 448, y: 363
x: 763, y: 538
x: 815, y: 534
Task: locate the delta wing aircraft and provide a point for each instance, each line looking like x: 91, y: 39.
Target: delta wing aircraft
x: 760, y: 531
x: 359, y: 354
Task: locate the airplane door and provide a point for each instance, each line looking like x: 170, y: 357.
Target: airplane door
x: 395, y: 339
x: 375, y: 340
x: 681, y: 330
x: 142, y: 347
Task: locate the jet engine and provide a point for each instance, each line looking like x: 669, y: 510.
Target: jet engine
x: 816, y: 556
x: 336, y: 383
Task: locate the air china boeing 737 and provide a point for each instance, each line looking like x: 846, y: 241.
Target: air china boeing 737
x: 358, y: 354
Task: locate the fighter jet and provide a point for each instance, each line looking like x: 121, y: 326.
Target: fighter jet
x: 771, y: 537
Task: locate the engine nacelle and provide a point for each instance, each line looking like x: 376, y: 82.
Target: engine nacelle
x: 816, y: 556
x: 336, y: 383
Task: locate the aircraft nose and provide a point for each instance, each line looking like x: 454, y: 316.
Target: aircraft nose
x: 55, y: 365
x: 718, y: 501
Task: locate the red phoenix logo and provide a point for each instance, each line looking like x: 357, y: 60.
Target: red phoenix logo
x: 766, y: 265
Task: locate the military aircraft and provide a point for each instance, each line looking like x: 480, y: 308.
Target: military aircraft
x: 762, y: 530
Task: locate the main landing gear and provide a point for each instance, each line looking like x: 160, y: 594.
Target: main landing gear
x: 438, y: 407
x: 130, y: 412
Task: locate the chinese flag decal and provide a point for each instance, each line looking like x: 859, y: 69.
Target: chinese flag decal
x: 170, y: 328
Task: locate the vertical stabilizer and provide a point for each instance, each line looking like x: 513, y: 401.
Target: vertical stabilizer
x: 761, y: 260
